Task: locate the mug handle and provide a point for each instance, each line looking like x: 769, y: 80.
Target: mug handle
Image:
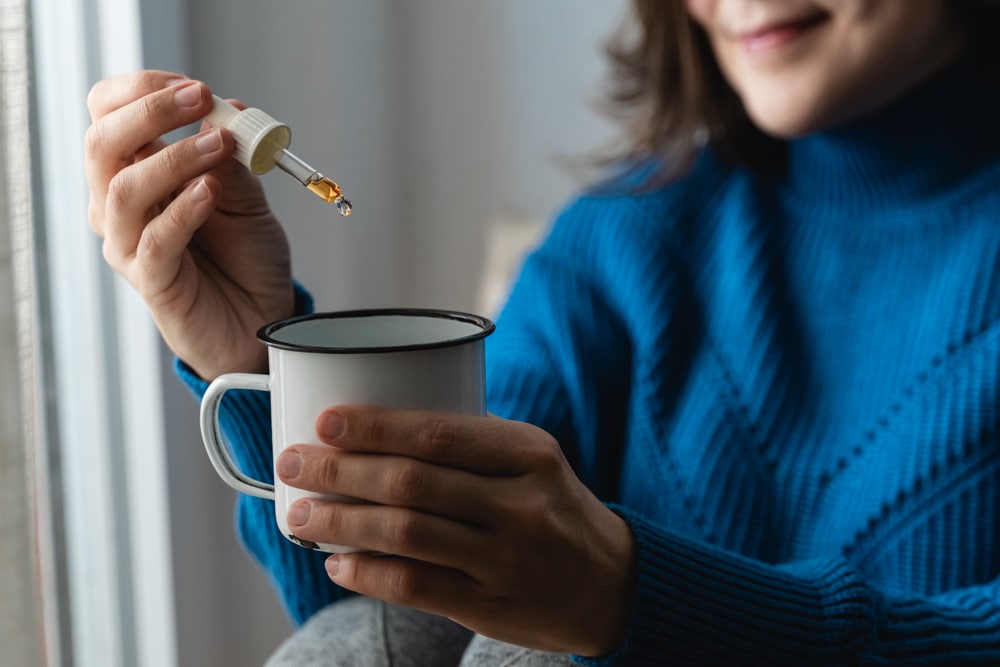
x: 218, y: 452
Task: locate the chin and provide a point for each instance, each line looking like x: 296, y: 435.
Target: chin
x: 782, y: 122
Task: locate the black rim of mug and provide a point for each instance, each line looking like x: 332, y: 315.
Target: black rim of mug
x: 486, y: 326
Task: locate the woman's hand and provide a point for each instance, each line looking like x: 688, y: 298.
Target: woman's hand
x: 489, y: 523
x: 185, y: 224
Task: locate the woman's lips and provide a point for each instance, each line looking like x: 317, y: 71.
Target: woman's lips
x: 779, y: 33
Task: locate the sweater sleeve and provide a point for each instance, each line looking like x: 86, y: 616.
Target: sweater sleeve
x: 701, y: 605
x: 298, y: 574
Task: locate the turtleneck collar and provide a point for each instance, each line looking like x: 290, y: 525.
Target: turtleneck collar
x: 919, y: 147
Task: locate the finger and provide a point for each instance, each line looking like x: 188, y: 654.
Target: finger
x: 163, y: 242
x: 484, y: 445
x: 113, y: 140
x: 116, y: 91
x: 97, y: 202
x: 401, y: 581
x: 243, y: 195
x: 399, y: 481
x: 134, y: 191
x: 389, y: 530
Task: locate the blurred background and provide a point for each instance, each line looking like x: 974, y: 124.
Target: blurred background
x: 452, y: 125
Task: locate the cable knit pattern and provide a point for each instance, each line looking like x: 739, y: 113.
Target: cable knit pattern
x: 787, y: 385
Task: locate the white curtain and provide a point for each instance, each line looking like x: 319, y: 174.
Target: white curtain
x: 21, y: 634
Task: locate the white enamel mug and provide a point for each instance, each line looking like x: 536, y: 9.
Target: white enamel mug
x: 400, y: 358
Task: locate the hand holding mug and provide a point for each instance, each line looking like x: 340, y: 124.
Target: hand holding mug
x: 476, y: 518
x: 184, y: 223
x: 490, y: 525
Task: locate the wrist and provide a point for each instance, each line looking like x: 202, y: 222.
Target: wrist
x: 611, y: 605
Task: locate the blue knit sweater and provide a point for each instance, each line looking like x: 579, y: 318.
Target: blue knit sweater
x: 787, y: 384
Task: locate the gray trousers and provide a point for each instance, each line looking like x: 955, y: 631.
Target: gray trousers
x: 361, y: 632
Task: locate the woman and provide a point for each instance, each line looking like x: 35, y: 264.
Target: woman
x: 757, y: 423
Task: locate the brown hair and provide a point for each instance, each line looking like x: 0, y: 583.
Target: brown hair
x: 673, y: 99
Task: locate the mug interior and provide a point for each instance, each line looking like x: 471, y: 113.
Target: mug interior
x: 375, y: 330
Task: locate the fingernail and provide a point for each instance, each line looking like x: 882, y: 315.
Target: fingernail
x: 289, y: 464
x: 333, y: 565
x: 330, y: 425
x: 200, y: 191
x: 208, y: 141
x: 298, y: 513
x: 188, y: 96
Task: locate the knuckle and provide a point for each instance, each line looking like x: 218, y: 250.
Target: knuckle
x: 406, y: 481
x: 438, y: 436
x: 155, y: 250
x: 120, y: 192
x: 149, y: 106
x: 333, y: 518
x: 528, y: 508
x: 403, y: 533
x: 548, y: 453
x: 149, y: 251
x: 110, y: 253
x: 146, y: 80
x: 325, y: 524
x: 327, y: 471
x: 536, y: 507
x: 94, y: 141
x: 171, y: 160
x: 404, y: 585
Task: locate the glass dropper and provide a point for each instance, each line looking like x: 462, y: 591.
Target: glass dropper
x: 262, y: 143
x: 322, y: 186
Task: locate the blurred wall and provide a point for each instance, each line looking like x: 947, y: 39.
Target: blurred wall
x: 440, y: 118
x: 499, y: 95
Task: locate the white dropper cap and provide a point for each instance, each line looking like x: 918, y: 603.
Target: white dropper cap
x: 260, y: 139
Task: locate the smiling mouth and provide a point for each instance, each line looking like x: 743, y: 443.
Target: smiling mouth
x: 775, y: 35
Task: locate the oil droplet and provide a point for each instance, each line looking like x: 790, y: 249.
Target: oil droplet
x: 330, y: 192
